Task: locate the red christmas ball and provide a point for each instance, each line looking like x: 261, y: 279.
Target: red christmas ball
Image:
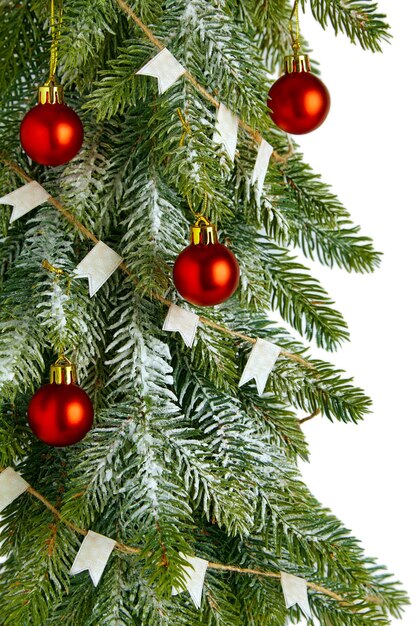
x: 60, y: 414
x: 299, y: 102
x: 51, y: 134
x: 206, y: 274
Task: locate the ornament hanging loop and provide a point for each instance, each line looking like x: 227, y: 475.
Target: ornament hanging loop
x: 56, y: 25
x: 295, y: 36
x: 186, y: 127
x: 201, y: 213
x: 51, y: 92
x: 296, y: 62
x: 51, y: 268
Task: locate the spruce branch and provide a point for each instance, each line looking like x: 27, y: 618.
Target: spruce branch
x: 314, y: 414
x: 117, y: 87
x: 298, y: 296
x: 298, y: 209
x: 322, y: 387
x: 233, y: 64
x: 95, y: 25
x: 20, y: 36
x: 360, y: 21
x: 270, y: 23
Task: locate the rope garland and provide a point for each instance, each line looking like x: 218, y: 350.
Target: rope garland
x: 126, y: 549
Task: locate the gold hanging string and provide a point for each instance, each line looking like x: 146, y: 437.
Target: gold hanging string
x: 56, y: 25
x: 58, y: 272
x: 190, y: 203
x: 295, y: 36
x: 201, y: 213
x: 186, y: 127
x: 205, y: 203
x: 51, y: 268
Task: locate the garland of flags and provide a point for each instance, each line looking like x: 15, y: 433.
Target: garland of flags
x: 95, y: 550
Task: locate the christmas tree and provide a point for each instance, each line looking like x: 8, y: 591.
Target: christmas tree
x: 192, y: 458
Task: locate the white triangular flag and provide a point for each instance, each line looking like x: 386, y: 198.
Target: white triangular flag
x: 165, y: 68
x: 98, y: 265
x: 295, y: 591
x: 12, y: 485
x: 260, y: 364
x: 185, y: 322
x: 264, y: 153
x: 25, y: 199
x: 195, y: 573
x: 226, y: 130
x: 93, y: 556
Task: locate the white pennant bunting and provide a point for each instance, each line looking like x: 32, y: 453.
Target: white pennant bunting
x: 195, y: 574
x: 226, y: 130
x: 12, y: 485
x: 165, y: 68
x: 264, y: 153
x: 98, y: 266
x: 260, y: 364
x: 182, y: 321
x: 93, y: 556
x: 295, y: 591
x: 25, y: 199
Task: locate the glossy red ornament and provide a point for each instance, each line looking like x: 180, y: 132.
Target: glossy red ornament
x: 299, y: 101
x: 51, y: 134
x: 206, y: 272
x: 61, y: 413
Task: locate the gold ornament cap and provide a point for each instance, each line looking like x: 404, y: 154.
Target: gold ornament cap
x: 203, y: 232
x: 51, y: 93
x: 297, y: 63
x: 62, y: 372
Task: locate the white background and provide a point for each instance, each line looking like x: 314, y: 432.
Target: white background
x: 367, y: 150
